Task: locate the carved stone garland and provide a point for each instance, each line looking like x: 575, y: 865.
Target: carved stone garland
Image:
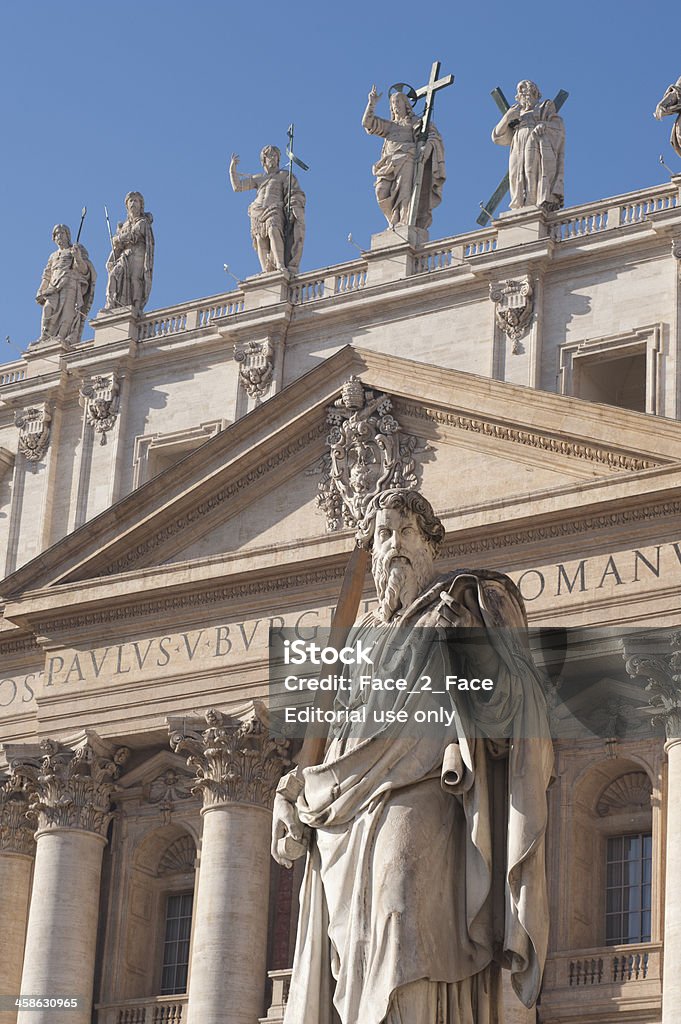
x: 514, y: 300
x: 368, y: 453
x: 34, y: 430
x: 236, y: 761
x: 70, y: 788
x: 256, y: 366
x: 99, y: 397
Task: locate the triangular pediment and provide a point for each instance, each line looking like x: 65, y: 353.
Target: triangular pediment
x: 478, y: 446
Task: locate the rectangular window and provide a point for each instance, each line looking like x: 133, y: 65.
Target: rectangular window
x: 176, y: 944
x: 628, y: 889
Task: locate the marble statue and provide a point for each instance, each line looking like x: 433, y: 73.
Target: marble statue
x: 277, y: 213
x: 671, y: 104
x: 66, y: 290
x: 536, y: 135
x: 402, y: 903
x: 396, y: 166
x: 131, y: 261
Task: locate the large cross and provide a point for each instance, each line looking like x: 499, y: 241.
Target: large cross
x: 432, y: 86
x: 487, y: 211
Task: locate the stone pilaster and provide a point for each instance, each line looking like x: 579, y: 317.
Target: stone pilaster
x: 17, y: 848
x: 663, y: 675
x: 70, y: 789
x: 237, y: 768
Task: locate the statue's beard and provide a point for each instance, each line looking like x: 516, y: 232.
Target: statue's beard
x: 399, y: 581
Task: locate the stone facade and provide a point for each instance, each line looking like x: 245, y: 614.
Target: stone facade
x: 143, y: 575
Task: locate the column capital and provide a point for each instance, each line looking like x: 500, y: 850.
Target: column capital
x: 68, y: 786
x: 16, y: 832
x: 234, y: 757
x: 662, y: 672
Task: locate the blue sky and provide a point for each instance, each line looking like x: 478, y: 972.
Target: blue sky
x: 99, y: 99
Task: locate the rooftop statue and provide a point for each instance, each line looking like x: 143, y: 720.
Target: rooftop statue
x: 671, y: 104
x: 402, y: 150
x: 536, y: 135
x: 416, y: 888
x: 277, y: 213
x: 66, y: 290
x: 131, y: 262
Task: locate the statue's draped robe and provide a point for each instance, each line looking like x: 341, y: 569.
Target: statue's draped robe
x: 536, y: 163
x: 270, y: 208
x: 67, y: 293
x: 394, y: 169
x: 131, y: 272
x: 398, y: 885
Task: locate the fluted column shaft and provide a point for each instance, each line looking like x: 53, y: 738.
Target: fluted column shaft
x: 238, y: 767
x: 17, y: 849
x: 70, y: 793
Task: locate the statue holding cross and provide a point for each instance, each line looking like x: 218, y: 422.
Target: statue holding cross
x: 536, y: 135
x: 410, y: 173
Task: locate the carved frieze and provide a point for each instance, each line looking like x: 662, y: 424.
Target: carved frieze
x: 167, y: 790
x: 69, y: 788
x: 235, y: 759
x: 99, y: 397
x: 16, y: 831
x: 256, y: 366
x: 514, y: 302
x: 34, y: 430
x: 368, y: 453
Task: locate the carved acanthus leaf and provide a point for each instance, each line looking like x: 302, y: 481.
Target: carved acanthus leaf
x: 663, y: 674
x: 16, y: 832
x: 235, y: 759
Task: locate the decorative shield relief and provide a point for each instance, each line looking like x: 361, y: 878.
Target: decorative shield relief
x: 368, y: 453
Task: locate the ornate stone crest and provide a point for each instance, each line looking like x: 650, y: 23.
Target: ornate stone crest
x: 256, y: 366
x: 34, y: 430
x: 368, y: 453
x: 514, y: 299
x: 99, y: 397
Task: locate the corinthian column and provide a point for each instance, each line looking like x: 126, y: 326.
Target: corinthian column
x: 237, y: 769
x: 70, y: 790
x: 663, y: 675
x: 17, y: 848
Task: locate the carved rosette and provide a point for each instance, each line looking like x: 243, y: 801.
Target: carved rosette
x: 663, y: 675
x: 368, y: 453
x: 235, y: 759
x: 514, y: 301
x: 99, y: 397
x: 69, y: 788
x: 34, y: 430
x: 256, y: 366
x: 16, y: 832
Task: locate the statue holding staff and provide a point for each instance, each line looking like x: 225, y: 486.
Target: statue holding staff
x: 67, y: 289
x: 131, y: 262
x: 277, y: 213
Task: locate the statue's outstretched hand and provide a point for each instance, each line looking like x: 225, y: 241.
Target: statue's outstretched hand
x: 286, y: 825
x: 374, y: 95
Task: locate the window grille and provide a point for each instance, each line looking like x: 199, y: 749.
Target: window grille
x: 628, y: 889
x: 176, y: 945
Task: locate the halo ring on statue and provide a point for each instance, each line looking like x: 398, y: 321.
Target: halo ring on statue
x: 406, y: 90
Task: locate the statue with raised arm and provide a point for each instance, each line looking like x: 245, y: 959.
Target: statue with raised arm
x: 277, y: 213
x: 671, y: 104
x: 131, y: 261
x: 396, y: 167
x: 425, y: 865
x: 536, y: 135
x: 66, y: 290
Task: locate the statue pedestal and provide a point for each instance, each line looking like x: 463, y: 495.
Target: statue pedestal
x: 266, y: 289
x: 391, y: 256
x: 518, y: 227
x: 117, y: 325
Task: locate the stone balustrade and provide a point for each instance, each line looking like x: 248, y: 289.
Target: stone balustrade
x: 11, y: 373
x: 154, y: 1010
x: 619, y: 211
x: 628, y: 975
x: 189, y: 316
x: 281, y: 983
